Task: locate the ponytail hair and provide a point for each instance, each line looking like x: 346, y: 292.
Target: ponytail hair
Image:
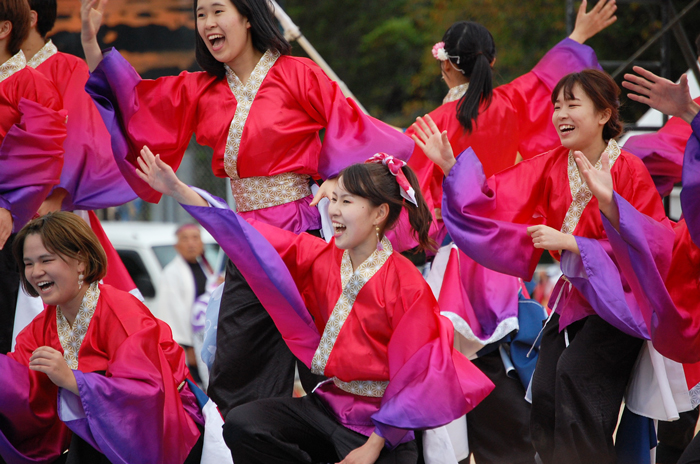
x: 376, y: 183
x: 471, y: 45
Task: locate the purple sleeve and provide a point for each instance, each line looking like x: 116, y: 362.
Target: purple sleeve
x: 112, y: 87
x: 264, y: 270
x: 24, y: 433
x: 690, y: 195
x: 661, y: 155
x: 32, y: 158
x: 568, y: 55
x: 90, y: 174
x: 453, y: 384
x: 643, y: 249
x: 467, y: 202
x: 596, y: 276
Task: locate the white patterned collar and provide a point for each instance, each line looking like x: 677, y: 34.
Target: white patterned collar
x: 46, y: 52
x: 245, y: 94
x: 71, y: 338
x: 580, y: 193
x: 11, y: 66
x: 456, y: 93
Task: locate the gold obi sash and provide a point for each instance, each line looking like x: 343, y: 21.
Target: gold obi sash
x: 253, y: 193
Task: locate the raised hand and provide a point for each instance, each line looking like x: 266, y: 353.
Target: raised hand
x: 589, y: 24
x: 156, y: 173
x: 599, y: 182
x: 435, y: 145
x: 601, y: 185
x: 661, y: 94
x: 161, y: 177
x: 50, y: 361
x: 91, y: 12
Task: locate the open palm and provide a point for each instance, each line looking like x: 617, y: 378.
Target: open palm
x: 599, y: 182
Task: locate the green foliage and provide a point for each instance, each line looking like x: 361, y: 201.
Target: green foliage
x: 381, y: 49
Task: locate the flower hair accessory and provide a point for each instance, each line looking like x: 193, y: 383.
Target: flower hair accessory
x: 440, y: 54
x: 395, y: 165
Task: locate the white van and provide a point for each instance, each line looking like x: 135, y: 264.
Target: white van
x: 147, y: 247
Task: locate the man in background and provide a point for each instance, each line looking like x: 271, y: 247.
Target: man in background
x: 183, y: 281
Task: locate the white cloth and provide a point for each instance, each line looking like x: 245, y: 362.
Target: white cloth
x: 658, y: 388
x: 26, y: 310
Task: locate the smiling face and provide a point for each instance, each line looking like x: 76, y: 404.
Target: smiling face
x: 225, y: 32
x: 53, y: 276
x: 354, y: 221
x: 577, y: 121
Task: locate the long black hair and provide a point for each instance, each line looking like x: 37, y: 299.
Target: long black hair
x: 473, y: 44
x: 378, y: 185
x: 263, y: 28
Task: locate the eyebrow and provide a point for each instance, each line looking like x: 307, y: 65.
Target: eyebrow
x: 213, y: 4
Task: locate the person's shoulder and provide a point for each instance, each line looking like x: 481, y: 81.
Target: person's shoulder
x: 69, y: 61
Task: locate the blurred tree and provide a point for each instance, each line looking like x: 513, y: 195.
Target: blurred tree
x: 382, y: 49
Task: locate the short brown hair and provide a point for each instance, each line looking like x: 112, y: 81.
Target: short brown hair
x: 601, y: 89
x: 17, y: 13
x: 66, y: 235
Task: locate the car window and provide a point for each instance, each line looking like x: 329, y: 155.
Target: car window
x: 137, y: 270
x: 166, y: 253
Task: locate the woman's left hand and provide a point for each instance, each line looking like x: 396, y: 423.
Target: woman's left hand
x: 551, y: 239
x: 599, y: 182
x: 50, y: 361
x: 367, y: 453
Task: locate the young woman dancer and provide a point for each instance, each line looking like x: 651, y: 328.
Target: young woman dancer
x: 512, y: 119
x: 261, y: 110
x: 95, y: 372
x: 588, y: 349
x: 375, y: 328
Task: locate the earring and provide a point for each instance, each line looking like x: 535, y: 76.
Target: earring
x: 80, y: 281
x: 380, y: 247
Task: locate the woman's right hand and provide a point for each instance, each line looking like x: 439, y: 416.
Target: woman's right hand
x: 435, y: 145
x: 91, y: 12
x: 161, y: 177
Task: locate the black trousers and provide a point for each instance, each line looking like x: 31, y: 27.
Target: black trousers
x: 674, y: 437
x: 498, y: 428
x: 577, y: 391
x: 297, y: 430
x: 691, y: 455
x: 252, y: 361
x: 9, y: 286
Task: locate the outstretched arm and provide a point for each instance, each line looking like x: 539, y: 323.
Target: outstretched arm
x: 91, y: 12
x: 661, y: 94
x: 589, y: 24
x: 435, y: 144
x: 161, y: 177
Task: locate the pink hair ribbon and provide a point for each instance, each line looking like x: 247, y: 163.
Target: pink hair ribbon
x: 395, y: 165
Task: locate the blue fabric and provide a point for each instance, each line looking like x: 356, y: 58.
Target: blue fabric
x: 636, y: 437
x: 531, y: 314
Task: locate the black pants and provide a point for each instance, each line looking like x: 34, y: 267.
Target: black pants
x: 577, y: 391
x: 674, y: 437
x: 498, y: 428
x: 9, y: 286
x: 297, y: 430
x: 252, y: 361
